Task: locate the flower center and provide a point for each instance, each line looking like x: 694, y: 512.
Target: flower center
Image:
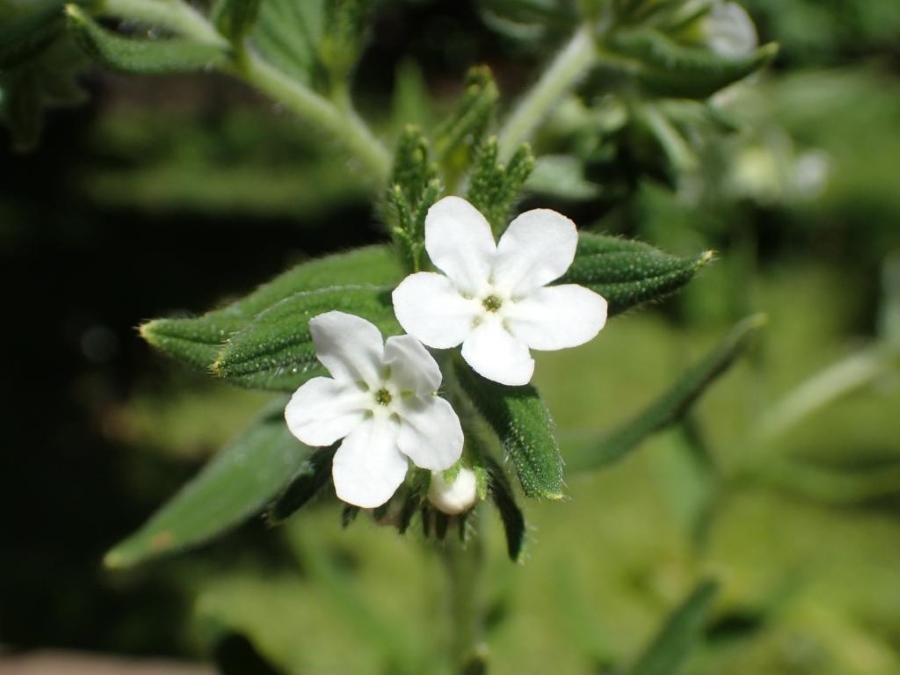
x: 383, y: 397
x: 492, y: 303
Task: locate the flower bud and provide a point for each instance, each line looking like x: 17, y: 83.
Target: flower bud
x: 453, y: 497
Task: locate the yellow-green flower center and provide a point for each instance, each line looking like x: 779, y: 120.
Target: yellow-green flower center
x: 383, y: 397
x: 492, y: 303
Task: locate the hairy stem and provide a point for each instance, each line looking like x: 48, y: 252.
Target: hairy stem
x: 463, y: 563
x: 564, y: 72
x: 339, y: 122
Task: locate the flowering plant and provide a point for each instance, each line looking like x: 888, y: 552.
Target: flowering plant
x: 374, y: 418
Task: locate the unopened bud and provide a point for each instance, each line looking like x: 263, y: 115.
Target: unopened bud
x: 453, y: 497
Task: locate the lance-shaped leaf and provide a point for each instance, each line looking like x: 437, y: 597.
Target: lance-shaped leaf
x: 681, y: 631
x: 522, y: 422
x: 667, y: 68
x: 276, y: 352
x: 236, y: 485
x: 510, y: 514
x: 673, y: 404
x: 305, y: 484
x: 199, y: 341
x: 627, y: 272
x: 140, y: 55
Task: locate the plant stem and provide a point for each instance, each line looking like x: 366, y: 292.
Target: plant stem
x: 335, y: 118
x: 563, y: 73
x: 463, y: 563
x: 339, y: 122
x: 175, y: 16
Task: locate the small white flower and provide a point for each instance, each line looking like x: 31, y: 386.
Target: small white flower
x: 493, y: 298
x: 456, y: 497
x: 381, y: 400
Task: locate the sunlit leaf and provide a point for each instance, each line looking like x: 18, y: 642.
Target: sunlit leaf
x: 522, y: 423
x: 671, y: 646
x: 199, y: 341
x: 673, y: 404
x: 627, y: 272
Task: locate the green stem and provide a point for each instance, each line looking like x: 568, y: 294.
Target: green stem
x: 563, y: 73
x: 175, y: 16
x: 341, y: 123
x: 463, y: 563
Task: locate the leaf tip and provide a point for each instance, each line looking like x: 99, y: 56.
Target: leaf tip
x: 115, y: 560
x: 705, y: 258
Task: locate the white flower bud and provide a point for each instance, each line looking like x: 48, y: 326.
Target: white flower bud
x: 456, y: 497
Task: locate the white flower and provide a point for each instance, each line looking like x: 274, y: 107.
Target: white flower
x: 456, y: 497
x: 493, y: 298
x: 381, y: 400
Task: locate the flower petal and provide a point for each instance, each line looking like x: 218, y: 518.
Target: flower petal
x: 460, y: 243
x: 537, y: 247
x: 557, y: 317
x: 428, y: 306
x: 413, y: 369
x: 368, y: 468
x: 495, y: 354
x: 350, y: 347
x: 430, y: 433
x: 323, y: 411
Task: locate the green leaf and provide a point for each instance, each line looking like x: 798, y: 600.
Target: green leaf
x: 666, y: 68
x: 22, y: 106
x: 275, y: 351
x: 139, y: 56
x: 235, y: 18
x: 310, y: 478
x: 494, y: 187
x: 670, y: 648
x: 510, y: 514
x: 522, y: 423
x: 628, y: 273
x: 672, y: 404
x: 287, y: 35
x: 199, y: 341
x: 236, y: 485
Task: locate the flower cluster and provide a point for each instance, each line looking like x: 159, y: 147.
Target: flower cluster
x: 382, y: 400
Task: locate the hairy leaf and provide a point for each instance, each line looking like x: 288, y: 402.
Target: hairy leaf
x: 670, y: 648
x: 237, y: 484
x: 522, y: 422
x: 139, y: 55
x: 510, y: 514
x: 275, y: 351
x: 674, y: 403
x: 628, y: 273
x: 199, y: 341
